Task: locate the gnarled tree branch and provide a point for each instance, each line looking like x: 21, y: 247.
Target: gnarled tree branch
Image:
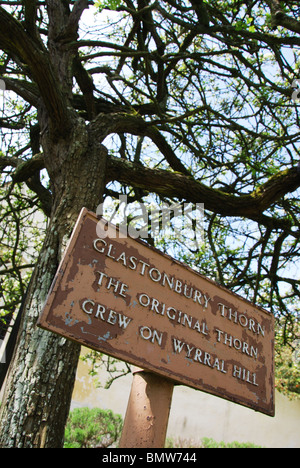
x: 182, y: 186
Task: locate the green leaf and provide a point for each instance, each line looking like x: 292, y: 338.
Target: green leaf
x: 109, y: 4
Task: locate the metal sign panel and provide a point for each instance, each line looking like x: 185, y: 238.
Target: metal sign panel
x: 121, y: 297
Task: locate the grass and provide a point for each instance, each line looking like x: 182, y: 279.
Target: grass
x: 207, y: 443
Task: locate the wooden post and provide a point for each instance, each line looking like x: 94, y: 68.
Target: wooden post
x: 148, y: 410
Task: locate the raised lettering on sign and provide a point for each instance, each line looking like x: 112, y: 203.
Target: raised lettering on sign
x: 125, y: 299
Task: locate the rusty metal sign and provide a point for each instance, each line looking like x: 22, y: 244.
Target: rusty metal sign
x: 121, y: 297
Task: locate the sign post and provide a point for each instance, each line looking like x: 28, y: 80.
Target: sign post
x: 147, y: 415
x: 123, y: 298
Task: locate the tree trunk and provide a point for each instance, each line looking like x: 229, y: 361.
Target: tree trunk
x: 42, y: 374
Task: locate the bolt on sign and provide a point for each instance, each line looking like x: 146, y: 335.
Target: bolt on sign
x: 125, y: 299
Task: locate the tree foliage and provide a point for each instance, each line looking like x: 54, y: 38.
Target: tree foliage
x: 22, y: 229
x: 200, y: 96
x: 287, y: 365
x: 169, y: 101
x: 92, y: 428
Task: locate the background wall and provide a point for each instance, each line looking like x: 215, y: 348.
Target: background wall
x: 195, y: 414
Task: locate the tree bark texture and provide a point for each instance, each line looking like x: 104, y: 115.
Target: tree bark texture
x: 40, y: 382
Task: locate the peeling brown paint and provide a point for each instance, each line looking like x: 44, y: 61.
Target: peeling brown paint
x: 126, y: 299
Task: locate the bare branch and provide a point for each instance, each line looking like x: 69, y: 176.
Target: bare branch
x: 281, y: 19
x: 14, y: 39
x: 26, y: 169
x: 135, y: 125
